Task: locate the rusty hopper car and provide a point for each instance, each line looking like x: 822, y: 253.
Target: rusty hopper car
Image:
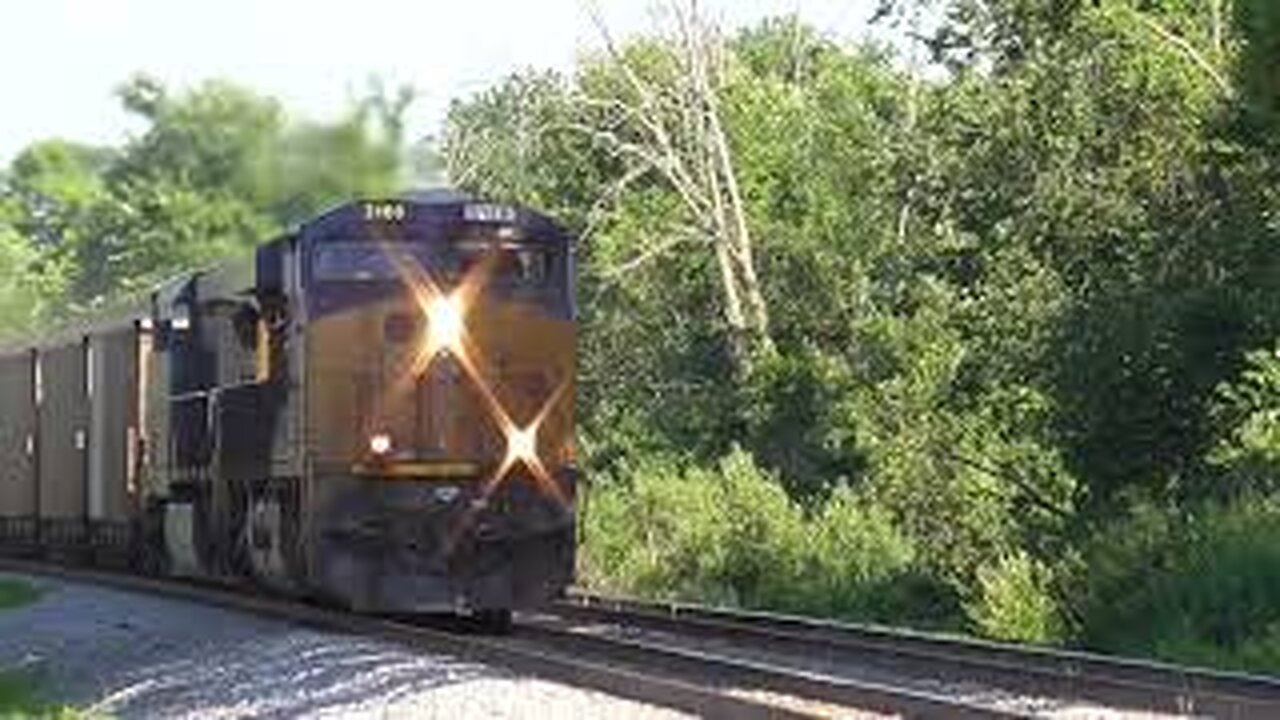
x: 376, y: 409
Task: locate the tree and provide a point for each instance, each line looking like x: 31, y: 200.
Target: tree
x: 216, y: 169
x: 660, y: 112
x: 20, y: 301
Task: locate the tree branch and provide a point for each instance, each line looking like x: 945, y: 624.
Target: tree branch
x: 1000, y: 474
x: 613, y: 274
x: 1186, y: 48
x: 608, y: 198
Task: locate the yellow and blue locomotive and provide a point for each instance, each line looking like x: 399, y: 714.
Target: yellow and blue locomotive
x: 375, y: 409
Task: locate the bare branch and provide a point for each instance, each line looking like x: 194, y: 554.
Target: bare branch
x: 615, y: 273
x: 674, y: 126
x: 1187, y: 49
x: 665, y: 165
x: 600, y: 208
x: 649, y: 113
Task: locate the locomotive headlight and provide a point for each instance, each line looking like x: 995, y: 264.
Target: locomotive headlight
x: 444, y: 323
x: 380, y: 444
x: 522, y: 444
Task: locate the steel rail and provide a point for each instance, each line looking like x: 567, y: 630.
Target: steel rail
x: 515, y: 655
x: 1061, y: 674
x: 829, y: 692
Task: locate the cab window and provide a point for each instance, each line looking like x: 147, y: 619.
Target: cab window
x: 360, y: 262
x: 516, y: 265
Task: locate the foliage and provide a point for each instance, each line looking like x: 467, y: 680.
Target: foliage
x: 19, y: 699
x: 1014, y: 601
x: 1005, y: 302
x: 16, y: 593
x: 1200, y: 587
x: 216, y: 169
x: 20, y: 299
x: 731, y: 535
x: 1248, y: 412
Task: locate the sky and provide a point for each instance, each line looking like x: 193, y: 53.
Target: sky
x: 61, y: 60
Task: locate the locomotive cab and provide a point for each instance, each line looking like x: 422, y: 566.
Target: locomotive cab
x: 439, y: 361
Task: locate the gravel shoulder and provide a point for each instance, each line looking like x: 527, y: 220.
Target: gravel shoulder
x: 866, y: 668
x: 139, y: 656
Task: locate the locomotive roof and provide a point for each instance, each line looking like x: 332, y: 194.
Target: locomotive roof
x: 433, y: 207
x: 436, y: 207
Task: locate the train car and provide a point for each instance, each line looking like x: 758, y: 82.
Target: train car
x: 376, y: 410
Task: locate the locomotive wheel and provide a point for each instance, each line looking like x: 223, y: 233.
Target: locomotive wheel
x: 493, y: 621
x: 263, y: 540
x: 151, y: 553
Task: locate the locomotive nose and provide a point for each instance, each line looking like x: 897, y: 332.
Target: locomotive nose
x: 444, y: 324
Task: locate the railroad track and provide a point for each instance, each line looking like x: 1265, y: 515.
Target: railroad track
x: 699, y: 683
x: 787, y: 690
x: 1054, y: 679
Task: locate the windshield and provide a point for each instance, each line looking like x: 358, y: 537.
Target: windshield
x: 364, y: 262
x: 515, y: 263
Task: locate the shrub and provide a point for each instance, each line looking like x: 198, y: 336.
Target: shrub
x: 853, y: 561
x: 1249, y: 411
x: 1014, y: 601
x: 732, y: 535
x: 1201, y: 589
x: 657, y: 531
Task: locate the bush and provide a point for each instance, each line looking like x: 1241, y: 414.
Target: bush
x: 1014, y: 601
x: 855, y: 562
x: 731, y: 535
x: 717, y: 535
x: 1248, y: 410
x: 657, y: 531
x: 1200, y: 589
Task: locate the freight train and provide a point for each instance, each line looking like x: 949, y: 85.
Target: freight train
x: 373, y: 410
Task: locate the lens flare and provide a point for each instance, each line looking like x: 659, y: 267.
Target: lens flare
x: 444, y: 324
x: 446, y: 317
x: 380, y: 444
x: 522, y: 444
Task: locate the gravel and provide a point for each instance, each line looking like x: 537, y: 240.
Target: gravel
x: 139, y: 656
x: 846, y: 666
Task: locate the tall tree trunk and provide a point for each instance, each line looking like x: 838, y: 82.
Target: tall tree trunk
x: 682, y: 139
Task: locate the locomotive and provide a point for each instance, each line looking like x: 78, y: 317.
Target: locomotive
x: 373, y: 410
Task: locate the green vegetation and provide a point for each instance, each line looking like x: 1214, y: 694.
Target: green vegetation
x: 217, y: 169
x: 991, y: 348
x: 18, y: 689
x: 16, y: 593
x: 15, y: 694
x: 738, y: 539
x: 19, y: 699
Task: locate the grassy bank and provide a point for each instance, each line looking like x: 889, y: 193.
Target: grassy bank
x: 20, y: 698
x: 19, y: 689
x: 16, y: 593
